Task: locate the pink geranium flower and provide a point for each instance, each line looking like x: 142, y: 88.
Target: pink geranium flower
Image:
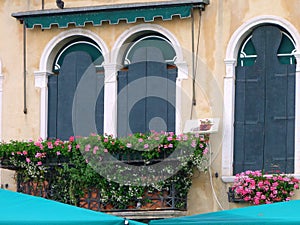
x: 50, y: 145
x: 256, y: 188
x: 128, y: 145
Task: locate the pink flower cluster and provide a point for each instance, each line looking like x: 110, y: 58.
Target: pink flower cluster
x: 164, y: 140
x: 37, y: 152
x: 257, y: 188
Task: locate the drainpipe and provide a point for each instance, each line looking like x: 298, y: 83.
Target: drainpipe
x: 24, y: 66
x: 43, y: 4
x: 193, y: 62
x: 194, y: 54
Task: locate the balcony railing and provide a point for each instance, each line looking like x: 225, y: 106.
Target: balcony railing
x: 233, y: 197
x: 167, y: 199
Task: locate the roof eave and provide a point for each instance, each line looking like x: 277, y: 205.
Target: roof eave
x: 114, y: 7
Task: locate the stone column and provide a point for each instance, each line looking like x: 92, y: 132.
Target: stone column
x: 110, y: 98
x: 41, y: 81
x: 228, y: 118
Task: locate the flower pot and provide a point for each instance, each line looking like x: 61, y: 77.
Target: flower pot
x: 154, y: 200
x: 131, y: 206
x: 107, y: 207
x: 205, y: 127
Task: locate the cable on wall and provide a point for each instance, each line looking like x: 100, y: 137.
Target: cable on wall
x: 211, y: 179
x: 195, y: 62
x: 24, y: 67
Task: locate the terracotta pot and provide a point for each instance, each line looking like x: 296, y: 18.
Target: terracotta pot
x: 205, y: 127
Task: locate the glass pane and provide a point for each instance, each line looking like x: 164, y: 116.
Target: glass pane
x: 247, y: 53
x: 92, y: 49
x: 152, y: 41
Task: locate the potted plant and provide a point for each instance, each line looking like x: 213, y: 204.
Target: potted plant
x: 205, y: 124
x: 74, y: 181
x: 256, y: 188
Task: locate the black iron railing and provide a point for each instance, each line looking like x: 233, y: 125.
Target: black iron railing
x: 167, y: 199
x: 233, y: 196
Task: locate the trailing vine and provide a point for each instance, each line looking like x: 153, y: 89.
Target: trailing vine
x: 69, y: 166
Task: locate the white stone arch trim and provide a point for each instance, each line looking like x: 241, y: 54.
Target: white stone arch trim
x: 110, y: 125
x: 55, y: 44
x: 117, y: 51
x: 46, y: 62
x: 229, y: 89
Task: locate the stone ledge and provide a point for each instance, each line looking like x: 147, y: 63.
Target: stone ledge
x: 149, y: 214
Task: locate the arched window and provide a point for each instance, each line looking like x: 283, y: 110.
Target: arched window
x: 147, y: 86
x: 247, y: 54
x: 157, y: 41
x: 77, y: 58
x: 264, y: 116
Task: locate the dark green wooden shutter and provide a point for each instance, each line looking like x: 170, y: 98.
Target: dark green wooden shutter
x: 265, y: 108
x: 99, y: 111
x: 249, y: 119
x: 52, y: 106
x: 61, y: 95
x: 147, y: 65
x: 72, y: 69
x: 171, y: 91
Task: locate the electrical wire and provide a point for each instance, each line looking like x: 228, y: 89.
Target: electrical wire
x: 24, y: 69
x: 198, y: 41
x: 195, y: 62
x: 195, y: 67
x: 211, y: 180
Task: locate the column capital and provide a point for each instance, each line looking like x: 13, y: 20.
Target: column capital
x: 230, y: 61
x: 230, y: 68
x: 111, y: 72
x: 183, y: 70
x: 112, y: 66
x: 41, y: 78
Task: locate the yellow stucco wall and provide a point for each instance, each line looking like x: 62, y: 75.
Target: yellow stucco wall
x: 218, y: 22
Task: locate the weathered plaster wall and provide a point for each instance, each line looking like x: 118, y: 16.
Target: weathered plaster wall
x: 219, y: 21
x: 18, y: 125
x: 7, y: 179
x: 217, y: 24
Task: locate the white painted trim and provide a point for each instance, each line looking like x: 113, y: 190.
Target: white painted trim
x: 118, y: 52
x: 41, y: 81
x: 58, y: 42
x: 229, y: 88
x: 118, y: 48
x: 228, y: 118
x: 1, y: 99
x: 110, y: 99
x: 297, y: 114
x: 45, y: 67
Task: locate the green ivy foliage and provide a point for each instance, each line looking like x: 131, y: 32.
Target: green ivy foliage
x: 110, y: 165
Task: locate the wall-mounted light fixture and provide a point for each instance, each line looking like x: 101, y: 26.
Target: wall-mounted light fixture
x: 60, y: 4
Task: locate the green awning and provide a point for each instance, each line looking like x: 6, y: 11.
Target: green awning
x: 112, y: 14
x: 22, y: 209
x: 269, y: 214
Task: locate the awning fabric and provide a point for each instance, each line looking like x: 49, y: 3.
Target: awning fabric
x: 269, y: 214
x: 112, y: 14
x: 17, y: 208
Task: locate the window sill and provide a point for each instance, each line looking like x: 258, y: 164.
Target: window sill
x: 228, y: 179
x: 149, y: 214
